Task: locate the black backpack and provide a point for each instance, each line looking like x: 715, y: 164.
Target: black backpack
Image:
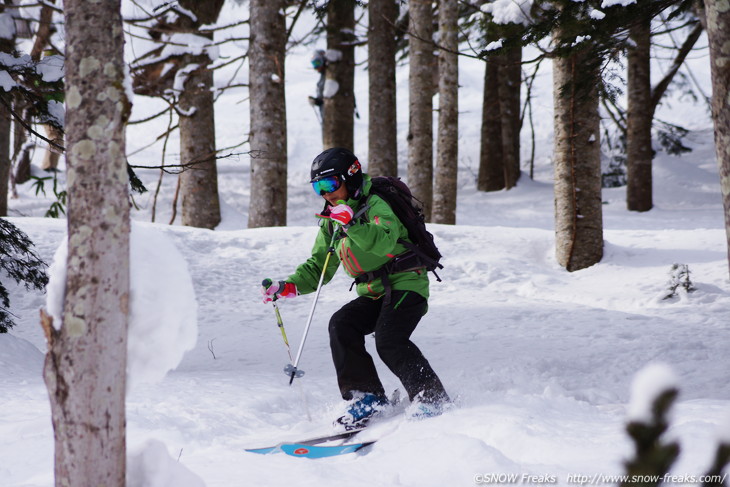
x: 422, y: 251
x: 422, y: 248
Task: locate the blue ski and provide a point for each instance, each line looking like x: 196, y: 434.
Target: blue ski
x: 314, y: 448
x: 319, y: 451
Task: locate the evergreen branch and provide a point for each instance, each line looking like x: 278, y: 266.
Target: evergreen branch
x: 19, y: 261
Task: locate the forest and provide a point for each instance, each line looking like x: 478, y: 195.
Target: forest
x: 110, y: 111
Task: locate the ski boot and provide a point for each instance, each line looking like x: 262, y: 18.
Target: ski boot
x: 361, y: 410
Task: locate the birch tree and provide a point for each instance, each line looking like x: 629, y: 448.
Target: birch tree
x: 420, y: 103
x: 85, y: 366
x: 267, y: 206
x: 447, y: 156
x: 382, y: 129
x: 718, y: 33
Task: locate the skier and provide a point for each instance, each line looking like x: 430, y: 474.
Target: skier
x: 319, y: 63
x: 366, y: 244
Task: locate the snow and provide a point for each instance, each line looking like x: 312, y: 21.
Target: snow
x: 649, y: 383
x: 494, y: 45
x: 152, y: 466
x: 541, y: 362
x: 50, y: 68
x: 183, y: 43
x: 331, y: 87
x: 611, y: 3
x: 181, y: 77
x: 7, y: 83
x: 7, y: 26
x: 509, y: 11
x: 163, y: 322
x: 333, y: 55
x: 163, y: 319
x: 56, y: 111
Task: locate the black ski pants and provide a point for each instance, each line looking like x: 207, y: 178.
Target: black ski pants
x: 393, y: 323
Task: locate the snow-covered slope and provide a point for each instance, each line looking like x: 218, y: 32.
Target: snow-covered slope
x: 540, y: 361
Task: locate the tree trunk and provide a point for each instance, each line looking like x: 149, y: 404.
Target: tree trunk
x: 639, y: 153
x: 382, y: 129
x: 510, y: 80
x: 7, y: 45
x: 718, y: 33
x: 339, y: 103
x: 5, y: 126
x: 499, y: 161
x: 85, y: 368
x: 21, y: 150
x: 447, y: 157
x: 420, y: 89
x: 578, y: 212
x: 267, y: 206
x: 199, y: 181
x: 491, y: 167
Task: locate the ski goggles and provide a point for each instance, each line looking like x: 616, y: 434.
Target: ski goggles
x: 329, y: 184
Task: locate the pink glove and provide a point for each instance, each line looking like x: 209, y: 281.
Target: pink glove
x: 341, y: 214
x: 273, y: 290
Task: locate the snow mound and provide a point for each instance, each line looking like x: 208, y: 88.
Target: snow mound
x: 648, y: 384
x: 152, y: 466
x: 163, y: 321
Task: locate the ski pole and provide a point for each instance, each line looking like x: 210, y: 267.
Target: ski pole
x: 291, y: 369
x: 266, y: 283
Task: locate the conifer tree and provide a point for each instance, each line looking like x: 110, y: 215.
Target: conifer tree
x: 21, y: 263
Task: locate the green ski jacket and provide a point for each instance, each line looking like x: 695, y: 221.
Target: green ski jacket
x: 366, y: 246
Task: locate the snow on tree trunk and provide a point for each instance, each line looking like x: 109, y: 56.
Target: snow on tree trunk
x: 578, y: 212
x: 85, y: 367
x: 491, y: 168
x: 339, y: 104
x: 447, y: 156
x: 268, y: 140
x: 382, y: 130
x: 639, y: 153
x: 718, y: 33
x: 420, y: 101
x: 199, y: 180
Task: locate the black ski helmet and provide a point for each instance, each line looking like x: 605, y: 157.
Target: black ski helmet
x: 339, y: 162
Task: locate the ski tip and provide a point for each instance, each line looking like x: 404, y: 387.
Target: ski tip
x: 264, y: 451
